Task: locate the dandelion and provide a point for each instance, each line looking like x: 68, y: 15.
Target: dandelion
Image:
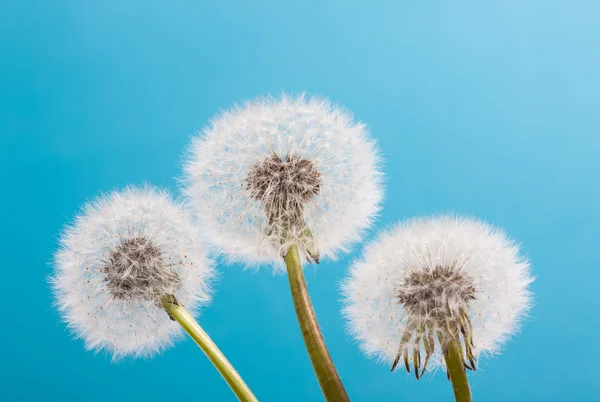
x: 124, y: 272
x: 280, y: 180
x: 437, y: 291
x: 282, y: 172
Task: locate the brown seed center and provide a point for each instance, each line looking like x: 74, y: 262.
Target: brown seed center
x: 434, y: 292
x: 283, y: 186
x: 136, y: 269
x: 436, y: 302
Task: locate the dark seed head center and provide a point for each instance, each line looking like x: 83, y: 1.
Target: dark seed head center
x: 292, y: 178
x: 428, y: 293
x: 436, y: 302
x: 136, y: 269
x: 283, y: 186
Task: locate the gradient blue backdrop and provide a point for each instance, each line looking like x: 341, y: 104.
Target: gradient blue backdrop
x: 489, y: 108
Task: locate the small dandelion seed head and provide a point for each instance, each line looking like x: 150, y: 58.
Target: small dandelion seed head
x: 431, y: 281
x: 277, y: 172
x: 120, y: 257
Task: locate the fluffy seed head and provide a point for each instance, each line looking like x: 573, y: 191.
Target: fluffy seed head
x: 281, y: 172
x: 432, y: 281
x: 121, y: 256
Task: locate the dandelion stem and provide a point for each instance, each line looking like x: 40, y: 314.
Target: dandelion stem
x: 326, y: 373
x: 456, y: 370
x: 185, y: 319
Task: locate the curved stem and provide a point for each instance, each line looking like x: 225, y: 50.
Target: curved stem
x: 328, y: 377
x: 178, y: 313
x: 456, y: 370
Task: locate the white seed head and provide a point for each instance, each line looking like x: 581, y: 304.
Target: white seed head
x: 280, y: 172
x: 120, y: 257
x: 431, y: 281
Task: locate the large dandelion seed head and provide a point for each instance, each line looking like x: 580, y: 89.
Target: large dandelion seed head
x: 432, y: 281
x: 120, y: 257
x: 280, y: 172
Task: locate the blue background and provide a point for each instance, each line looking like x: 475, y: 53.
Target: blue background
x: 488, y: 108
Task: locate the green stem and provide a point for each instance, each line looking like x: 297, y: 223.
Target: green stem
x: 328, y: 377
x: 185, y: 319
x: 456, y: 370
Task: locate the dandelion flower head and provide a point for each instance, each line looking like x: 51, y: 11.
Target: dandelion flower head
x: 123, y: 253
x: 432, y: 281
x: 280, y: 172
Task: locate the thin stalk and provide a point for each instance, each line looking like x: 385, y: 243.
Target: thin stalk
x: 457, y: 373
x: 185, y: 319
x: 328, y: 377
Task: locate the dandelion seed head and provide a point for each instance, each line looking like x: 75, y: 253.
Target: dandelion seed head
x: 123, y: 253
x: 277, y: 172
x: 430, y: 281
